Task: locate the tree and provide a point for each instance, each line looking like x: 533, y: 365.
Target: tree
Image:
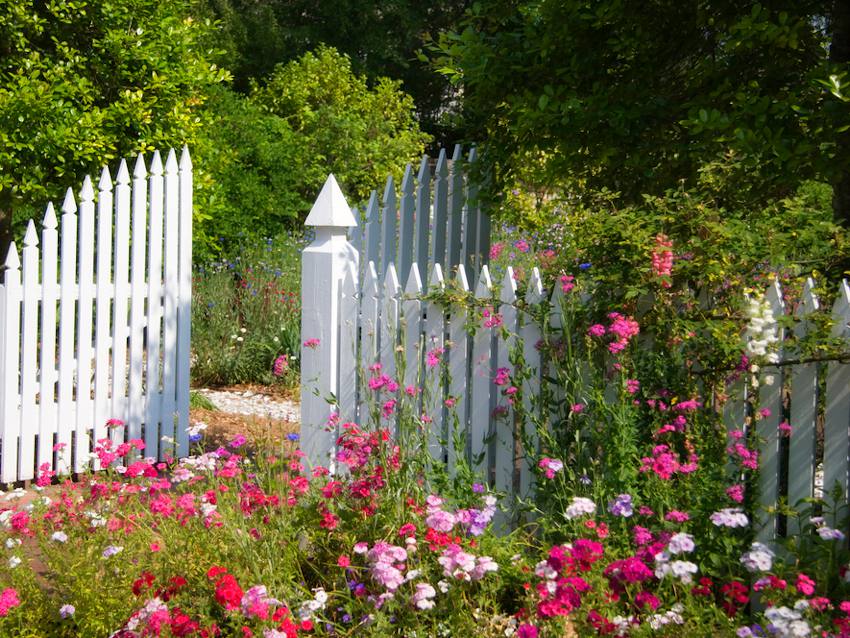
x: 381, y: 39
x: 641, y: 97
x: 82, y: 83
x: 269, y: 153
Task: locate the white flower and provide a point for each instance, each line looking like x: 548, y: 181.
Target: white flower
x: 12, y: 543
x: 681, y: 543
x: 579, y: 506
x: 59, y: 537
x: 758, y: 559
x: 683, y: 570
x: 14, y: 561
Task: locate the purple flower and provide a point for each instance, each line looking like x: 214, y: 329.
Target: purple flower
x: 478, y: 488
x: 238, y: 441
x: 621, y: 506
x: 66, y: 611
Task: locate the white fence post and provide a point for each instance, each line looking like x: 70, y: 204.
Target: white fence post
x: 323, y: 264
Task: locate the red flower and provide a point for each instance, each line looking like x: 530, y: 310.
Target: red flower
x: 228, y: 593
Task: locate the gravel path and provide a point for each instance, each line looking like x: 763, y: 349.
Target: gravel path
x: 253, y: 403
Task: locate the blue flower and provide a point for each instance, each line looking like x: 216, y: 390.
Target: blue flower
x: 585, y: 265
x: 292, y: 436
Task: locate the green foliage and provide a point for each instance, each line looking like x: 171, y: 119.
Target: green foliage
x: 382, y: 40
x: 246, y: 313
x: 641, y: 98
x: 361, y: 133
x: 83, y: 83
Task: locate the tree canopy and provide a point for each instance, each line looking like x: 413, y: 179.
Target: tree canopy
x: 82, y: 83
x: 641, y: 97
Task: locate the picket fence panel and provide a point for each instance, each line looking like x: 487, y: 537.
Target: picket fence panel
x: 91, y: 326
x: 453, y: 369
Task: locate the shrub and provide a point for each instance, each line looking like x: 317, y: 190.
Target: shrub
x: 246, y: 316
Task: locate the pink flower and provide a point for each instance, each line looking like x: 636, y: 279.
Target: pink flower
x: 8, y: 600
x: 577, y: 408
x: 662, y: 258
x: 311, y: 343
x: 526, y: 631
x: 632, y: 386
x: 675, y: 516
x: 115, y: 423
x: 596, y: 330
x: 785, y: 429
x: 805, y: 585
x: 736, y: 493
x: 567, y: 283
x: 496, y: 250
x: 503, y: 376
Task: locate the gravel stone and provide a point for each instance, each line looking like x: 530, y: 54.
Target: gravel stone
x: 251, y: 403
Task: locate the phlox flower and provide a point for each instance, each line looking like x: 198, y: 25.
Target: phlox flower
x: 758, y: 559
x: 423, y: 597
x: 730, y: 517
x: 621, y: 506
x: 579, y: 507
x: 112, y: 550
x: 66, y: 611
x: 8, y: 600
x: 681, y: 543
x: 550, y: 467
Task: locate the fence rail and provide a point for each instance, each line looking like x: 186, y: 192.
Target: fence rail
x: 118, y: 269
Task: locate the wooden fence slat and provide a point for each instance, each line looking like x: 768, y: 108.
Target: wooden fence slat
x: 104, y: 305
x: 504, y: 425
x: 169, y: 303
x: 28, y: 425
x: 836, y: 438
x: 423, y: 215
x: 153, y: 354
x: 482, y: 383
x: 767, y: 428
x: 470, y: 231
x: 135, y: 407
x: 441, y: 203
x: 389, y: 321
x: 47, y: 360
x: 121, y: 283
x: 85, y: 312
x: 388, y: 222
x: 373, y: 233
x: 370, y: 305
x: 455, y: 215
x: 804, y: 392
x: 184, y: 303
x: 433, y: 380
x: 411, y: 309
x: 67, y: 313
x: 349, y: 305
x: 459, y: 386
x: 405, y: 229
x: 10, y: 380
x: 530, y: 336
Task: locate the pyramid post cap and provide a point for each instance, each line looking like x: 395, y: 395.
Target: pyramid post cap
x: 331, y: 208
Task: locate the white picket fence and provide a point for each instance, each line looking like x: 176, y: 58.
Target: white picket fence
x: 118, y: 346
x: 354, y: 317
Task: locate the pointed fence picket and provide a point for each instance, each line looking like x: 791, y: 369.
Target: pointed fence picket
x: 76, y: 346
x: 804, y: 396
x: 433, y: 379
